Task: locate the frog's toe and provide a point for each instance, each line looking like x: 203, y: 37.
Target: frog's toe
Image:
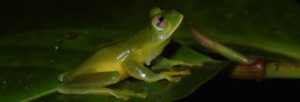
x: 185, y: 72
x: 173, y: 79
x: 174, y: 76
x: 123, y: 97
x: 141, y: 95
x: 126, y: 94
x: 175, y: 73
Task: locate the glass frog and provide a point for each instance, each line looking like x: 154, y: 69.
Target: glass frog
x: 112, y: 64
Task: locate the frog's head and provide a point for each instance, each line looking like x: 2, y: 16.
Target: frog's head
x: 164, y: 23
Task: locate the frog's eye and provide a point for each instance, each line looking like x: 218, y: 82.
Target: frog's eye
x: 159, y: 22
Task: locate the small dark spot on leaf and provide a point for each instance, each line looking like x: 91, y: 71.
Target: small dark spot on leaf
x: 72, y: 35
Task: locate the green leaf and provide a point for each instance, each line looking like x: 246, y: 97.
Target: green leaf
x: 44, y: 40
x: 20, y: 83
x: 162, y: 91
x: 31, y: 62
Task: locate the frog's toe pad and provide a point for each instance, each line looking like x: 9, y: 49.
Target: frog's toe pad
x: 126, y: 94
x: 175, y: 73
x: 173, y: 79
x: 172, y: 76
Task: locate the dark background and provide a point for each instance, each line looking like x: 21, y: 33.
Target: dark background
x: 225, y: 89
x: 18, y: 16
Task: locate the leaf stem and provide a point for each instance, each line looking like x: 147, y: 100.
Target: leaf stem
x: 261, y: 69
x: 217, y: 47
x: 283, y: 70
x: 251, y: 69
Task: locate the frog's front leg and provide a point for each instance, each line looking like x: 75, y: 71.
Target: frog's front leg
x: 139, y: 71
x: 96, y: 84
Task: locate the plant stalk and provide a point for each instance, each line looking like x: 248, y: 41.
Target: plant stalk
x: 217, y: 47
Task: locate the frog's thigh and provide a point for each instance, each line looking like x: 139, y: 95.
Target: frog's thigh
x: 139, y: 71
x: 100, y: 79
x: 95, y: 84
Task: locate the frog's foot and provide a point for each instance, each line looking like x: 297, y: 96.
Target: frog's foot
x: 139, y: 71
x: 125, y: 94
x: 182, y: 63
x: 121, y: 94
x: 167, y: 64
x: 171, y: 75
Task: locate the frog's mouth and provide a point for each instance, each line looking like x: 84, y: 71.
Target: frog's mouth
x: 176, y: 25
x: 177, y: 19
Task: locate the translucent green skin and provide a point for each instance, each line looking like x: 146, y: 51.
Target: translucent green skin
x: 114, y: 63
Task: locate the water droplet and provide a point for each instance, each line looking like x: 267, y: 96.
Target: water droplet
x: 57, y: 40
x: 229, y: 15
x: 86, y: 32
x: 56, y: 47
x: 4, y: 81
x: 27, y: 87
x: 51, y: 60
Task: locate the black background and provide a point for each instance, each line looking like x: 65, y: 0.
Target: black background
x: 219, y: 89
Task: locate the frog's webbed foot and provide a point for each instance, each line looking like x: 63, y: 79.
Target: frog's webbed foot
x: 172, y: 75
x: 126, y: 94
x: 121, y: 94
x: 167, y: 64
x: 139, y: 71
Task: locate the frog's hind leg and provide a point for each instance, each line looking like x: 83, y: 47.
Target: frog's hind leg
x: 96, y: 84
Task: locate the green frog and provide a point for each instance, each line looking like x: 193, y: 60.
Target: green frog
x: 112, y: 64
